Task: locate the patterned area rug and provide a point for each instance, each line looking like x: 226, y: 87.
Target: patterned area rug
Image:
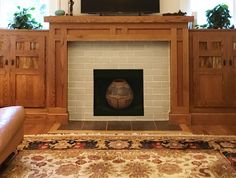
x: 134, y: 155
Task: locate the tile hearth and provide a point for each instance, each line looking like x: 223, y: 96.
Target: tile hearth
x: 121, y: 125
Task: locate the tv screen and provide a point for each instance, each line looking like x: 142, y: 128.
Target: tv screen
x: 120, y: 6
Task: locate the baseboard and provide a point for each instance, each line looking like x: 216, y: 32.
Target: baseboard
x: 46, y: 116
x: 213, y: 118
x: 180, y: 118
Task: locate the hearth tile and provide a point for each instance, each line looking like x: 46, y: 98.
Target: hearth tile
x: 94, y: 125
x: 72, y: 125
x: 119, y: 125
x: 143, y: 125
x: 166, y: 125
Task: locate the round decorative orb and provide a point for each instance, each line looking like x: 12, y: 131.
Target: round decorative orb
x: 59, y: 12
x: 119, y: 94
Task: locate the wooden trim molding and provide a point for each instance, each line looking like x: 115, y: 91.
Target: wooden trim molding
x: 213, y: 118
x: 64, y: 29
x: 119, y: 19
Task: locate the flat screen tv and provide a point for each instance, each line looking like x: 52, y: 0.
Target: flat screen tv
x: 120, y: 6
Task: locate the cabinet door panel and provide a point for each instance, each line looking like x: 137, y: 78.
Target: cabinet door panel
x: 210, y: 91
x: 29, y: 71
x: 214, y: 69
x: 209, y: 55
x: 231, y: 72
x: 5, y: 97
x: 230, y: 87
x: 5, y: 89
x: 29, y: 90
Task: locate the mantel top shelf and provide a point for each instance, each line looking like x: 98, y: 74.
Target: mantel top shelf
x: 118, y: 19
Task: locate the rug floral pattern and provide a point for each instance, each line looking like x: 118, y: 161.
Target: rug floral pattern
x: 134, y: 156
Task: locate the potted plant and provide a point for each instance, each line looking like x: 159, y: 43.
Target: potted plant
x: 217, y: 18
x: 23, y: 19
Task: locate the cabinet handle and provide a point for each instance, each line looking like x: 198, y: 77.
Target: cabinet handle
x: 6, y: 62
x: 224, y: 62
x: 230, y: 62
x: 12, y: 62
x: 17, y: 63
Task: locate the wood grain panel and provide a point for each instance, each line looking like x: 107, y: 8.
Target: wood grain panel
x: 29, y: 90
x: 5, y: 92
x: 206, y: 96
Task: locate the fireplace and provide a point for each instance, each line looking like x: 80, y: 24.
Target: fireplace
x: 118, y: 92
x: 145, y: 66
x: 67, y: 29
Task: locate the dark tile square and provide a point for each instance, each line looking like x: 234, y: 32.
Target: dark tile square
x: 143, y: 125
x: 72, y: 125
x: 166, y: 125
x: 119, y: 125
x: 94, y: 125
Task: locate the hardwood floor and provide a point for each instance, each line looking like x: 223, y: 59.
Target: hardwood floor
x: 32, y: 128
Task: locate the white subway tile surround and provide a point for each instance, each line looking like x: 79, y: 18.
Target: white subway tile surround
x: 152, y: 57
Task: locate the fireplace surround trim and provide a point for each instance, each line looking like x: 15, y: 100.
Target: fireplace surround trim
x: 120, y: 28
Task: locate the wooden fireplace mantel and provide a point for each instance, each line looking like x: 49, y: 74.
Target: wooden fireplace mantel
x: 173, y: 29
x: 118, y: 19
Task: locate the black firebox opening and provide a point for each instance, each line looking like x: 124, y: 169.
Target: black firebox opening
x: 103, y: 78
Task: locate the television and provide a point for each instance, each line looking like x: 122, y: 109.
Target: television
x: 120, y: 6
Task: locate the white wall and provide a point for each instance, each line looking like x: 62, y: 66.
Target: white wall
x: 174, y: 5
x: 165, y: 5
x: 169, y: 6
x: 234, y: 14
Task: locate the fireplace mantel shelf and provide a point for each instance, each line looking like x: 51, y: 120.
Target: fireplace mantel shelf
x: 119, y: 19
x: 173, y: 29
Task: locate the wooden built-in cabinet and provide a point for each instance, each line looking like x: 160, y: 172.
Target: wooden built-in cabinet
x: 22, y: 68
x: 213, y: 73
x: 33, y: 65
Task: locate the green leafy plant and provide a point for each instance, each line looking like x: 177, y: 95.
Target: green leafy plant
x: 23, y: 19
x: 217, y: 18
